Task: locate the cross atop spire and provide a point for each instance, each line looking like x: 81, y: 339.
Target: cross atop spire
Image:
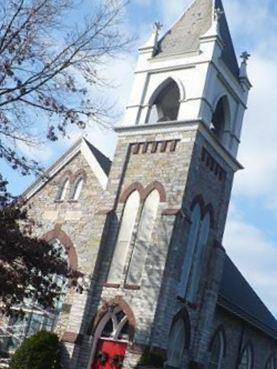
x: 245, y: 57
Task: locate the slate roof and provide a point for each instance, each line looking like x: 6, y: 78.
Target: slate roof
x: 237, y: 296
x: 184, y: 36
x: 101, y: 158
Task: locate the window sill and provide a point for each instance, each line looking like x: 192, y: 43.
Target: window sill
x: 111, y: 285
x: 131, y: 287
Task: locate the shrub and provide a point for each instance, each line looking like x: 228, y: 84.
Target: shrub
x: 41, y: 351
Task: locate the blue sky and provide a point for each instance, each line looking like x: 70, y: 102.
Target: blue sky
x: 251, y: 232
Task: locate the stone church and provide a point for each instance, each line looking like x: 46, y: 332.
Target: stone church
x: 146, y: 229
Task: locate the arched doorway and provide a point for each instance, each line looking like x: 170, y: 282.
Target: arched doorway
x: 110, y: 340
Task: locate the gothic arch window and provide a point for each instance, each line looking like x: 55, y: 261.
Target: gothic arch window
x: 144, y: 237
x: 196, y: 247
x: 221, y: 118
x: 191, y: 245
x: 217, y: 350
x: 195, y: 273
x: 124, y: 237
x: 271, y: 363
x: 77, y: 189
x: 177, y: 341
x: 165, y: 102
x: 114, y: 325
x: 32, y: 318
x: 246, y: 358
x: 63, y: 190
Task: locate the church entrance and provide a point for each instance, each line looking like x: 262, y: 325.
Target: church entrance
x: 111, y: 340
x: 109, y: 355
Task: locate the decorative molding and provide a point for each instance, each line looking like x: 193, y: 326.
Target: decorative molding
x: 154, y: 146
x: 182, y: 126
x: 171, y: 212
x: 112, y: 285
x: 213, y: 165
x: 156, y: 185
x: 143, y: 192
x: 136, y: 186
x: 131, y: 287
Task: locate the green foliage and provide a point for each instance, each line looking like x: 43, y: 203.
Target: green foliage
x: 41, y: 351
x: 151, y: 359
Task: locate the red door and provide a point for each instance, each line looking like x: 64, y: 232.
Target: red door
x: 109, y: 355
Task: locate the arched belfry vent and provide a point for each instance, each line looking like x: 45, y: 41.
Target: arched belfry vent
x: 184, y: 36
x: 165, y: 102
x: 221, y: 118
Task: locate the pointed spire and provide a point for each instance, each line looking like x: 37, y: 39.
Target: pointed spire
x: 201, y: 18
x: 152, y: 43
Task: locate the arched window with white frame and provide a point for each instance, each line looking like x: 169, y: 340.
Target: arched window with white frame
x: 191, y: 245
x: 124, y: 237
x: 77, y: 189
x: 165, y: 103
x: 63, y: 190
x: 144, y: 237
x: 177, y: 342
x: 217, y: 351
x: 246, y: 358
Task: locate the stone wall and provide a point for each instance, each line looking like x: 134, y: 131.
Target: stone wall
x: 177, y: 162
x: 69, y: 220
x: 238, y: 334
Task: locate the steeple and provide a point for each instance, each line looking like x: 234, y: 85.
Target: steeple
x: 184, y: 37
x: 191, y: 74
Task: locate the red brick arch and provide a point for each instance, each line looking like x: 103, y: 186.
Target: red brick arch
x: 136, y: 186
x: 144, y: 192
x: 59, y: 234
x: 156, y: 185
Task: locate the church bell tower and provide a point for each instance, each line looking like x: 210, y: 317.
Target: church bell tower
x: 163, y: 214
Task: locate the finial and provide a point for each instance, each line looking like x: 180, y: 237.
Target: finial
x: 218, y: 12
x: 157, y: 26
x: 243, y: 71
x: 245, y: 57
